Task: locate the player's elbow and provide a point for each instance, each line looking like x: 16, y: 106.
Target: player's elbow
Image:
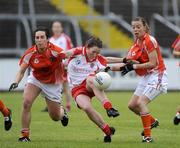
x: 108, y: 59
x: 153, y: 64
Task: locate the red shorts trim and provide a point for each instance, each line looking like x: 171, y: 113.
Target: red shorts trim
x: 81, y: 89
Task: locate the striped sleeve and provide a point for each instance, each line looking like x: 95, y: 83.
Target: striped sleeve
x: 102, y: 60
x: 27, y: 56
x: 150, y: 44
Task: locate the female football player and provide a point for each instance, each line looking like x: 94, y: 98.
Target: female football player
x: 150, y: 66
x: 81, y: 73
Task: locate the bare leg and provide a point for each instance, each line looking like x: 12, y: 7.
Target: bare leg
x: 67, y: 96
x: 56, y: 111
x: 30, y: 93
x: 84, y: 103
x: 142, y: 104
x: 133, y: 106
x: 100, y: 94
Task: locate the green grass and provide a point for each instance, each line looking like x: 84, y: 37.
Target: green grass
x: 81, y: 132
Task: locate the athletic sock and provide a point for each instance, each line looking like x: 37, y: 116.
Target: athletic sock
x: 178, y: 115
x: 106, y: 129
x: 152, y: 119
x: 4, y: 109
x: 107, y: 104
x: 146, y: 121
x: 25, y: 132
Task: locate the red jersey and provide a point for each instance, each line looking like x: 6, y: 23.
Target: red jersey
x: 140, y: 53
x: 47, y: 66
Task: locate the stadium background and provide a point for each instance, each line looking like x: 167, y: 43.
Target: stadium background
x: 110, y: 20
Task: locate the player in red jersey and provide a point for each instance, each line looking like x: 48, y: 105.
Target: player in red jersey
x: 7, y: 116
x: 63, y: 41
x: 81, y: 72
x: 46, y: 77
x: 150, y: 66
x: 176, y: 52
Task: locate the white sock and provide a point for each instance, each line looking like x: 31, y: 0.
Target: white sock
x: 178, y: 115
x: 6, y: 118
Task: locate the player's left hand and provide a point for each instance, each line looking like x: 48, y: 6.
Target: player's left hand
x: 13, y: 86
x: 106, y: 69
x: 127, y: 68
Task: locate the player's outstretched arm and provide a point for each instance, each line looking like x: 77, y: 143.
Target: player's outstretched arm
x: 152, y: 63
x: 111, y: 60
x: 72, y: 52
x: 116, y: 67
x: 19, y: 76
x: 114, y: 60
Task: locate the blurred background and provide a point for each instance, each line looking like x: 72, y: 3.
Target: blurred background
x: 109, y: 20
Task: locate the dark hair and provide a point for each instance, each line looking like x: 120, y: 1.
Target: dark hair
x: 144, y: 22
x: 94, y: 41
x: 42, y: 28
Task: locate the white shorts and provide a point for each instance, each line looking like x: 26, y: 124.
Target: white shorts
x: 152, y: 85
x: 52, y: 92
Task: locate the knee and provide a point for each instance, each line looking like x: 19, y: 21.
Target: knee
x: 27, y: 104
x: 140, y: 104
x: 86, y: 108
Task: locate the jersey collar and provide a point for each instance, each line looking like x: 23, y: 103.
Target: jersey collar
x: 49, y: 46
x: 138, y: 40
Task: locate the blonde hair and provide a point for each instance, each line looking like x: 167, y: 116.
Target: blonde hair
x: 144, y: 22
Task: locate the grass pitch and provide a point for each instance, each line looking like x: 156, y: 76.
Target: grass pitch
x: 81, y: 132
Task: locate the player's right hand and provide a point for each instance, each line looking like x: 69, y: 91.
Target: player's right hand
x: 125, y: 60
x: 13, y: 86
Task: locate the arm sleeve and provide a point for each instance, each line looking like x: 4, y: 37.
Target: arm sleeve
x: 77, y: 51
x: 62, y: 55
x: 151, y: 44
x: 25, y: 58
x: 102, y: 60
x: 134, y: 53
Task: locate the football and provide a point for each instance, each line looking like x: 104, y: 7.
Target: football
x: 102, y: 80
